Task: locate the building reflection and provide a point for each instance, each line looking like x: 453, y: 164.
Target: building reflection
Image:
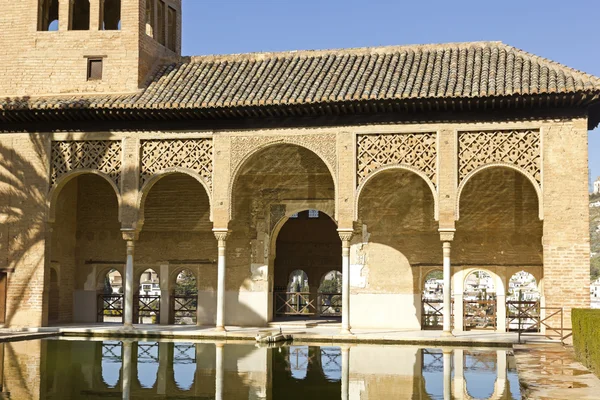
x: 69, y: 369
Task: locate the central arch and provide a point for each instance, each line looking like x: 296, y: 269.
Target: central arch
x: 271, y: 185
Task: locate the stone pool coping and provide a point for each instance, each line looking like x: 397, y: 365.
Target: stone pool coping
x: 319, y: 334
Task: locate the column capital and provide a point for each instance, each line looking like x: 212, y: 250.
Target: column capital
x: 446, y: 234
x: 130, y: 235
x: 346, y: 235
x: 221, y: 234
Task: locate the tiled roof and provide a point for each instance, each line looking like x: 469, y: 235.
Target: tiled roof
x: 439, y: 71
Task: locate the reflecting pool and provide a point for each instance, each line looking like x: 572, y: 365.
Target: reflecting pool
x: 101, y: 369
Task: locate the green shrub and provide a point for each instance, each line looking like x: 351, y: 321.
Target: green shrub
x: 586, y: 337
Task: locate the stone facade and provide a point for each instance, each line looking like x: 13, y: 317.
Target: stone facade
x: 215, y: 196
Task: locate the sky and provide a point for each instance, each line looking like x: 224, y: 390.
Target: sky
x: 563, y: 31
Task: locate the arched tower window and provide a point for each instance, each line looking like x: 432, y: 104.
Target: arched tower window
x: 110, y: 15
x: 80, y: 15
x: 48, y: 15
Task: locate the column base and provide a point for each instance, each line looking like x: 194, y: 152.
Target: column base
x: 447, y: 334
x: 220, y: 329
x: 128, y: 327
x: 345, y: 331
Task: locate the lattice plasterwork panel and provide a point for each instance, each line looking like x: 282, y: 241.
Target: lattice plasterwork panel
x: 323, y: 145
x: 101, y: 155
x: 518, y: 147
x: 192, y: 154
x: 418, y: 150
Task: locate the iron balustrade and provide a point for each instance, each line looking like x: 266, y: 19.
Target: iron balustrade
x: 147, y: 307
x: 110, y: 305
x: 184, y: 307
x: 329, y: 304
x: 294, y: 303
x: 550, y: 322
x: 530, y: 316
x: 479, y: 314
x: 432, y: 314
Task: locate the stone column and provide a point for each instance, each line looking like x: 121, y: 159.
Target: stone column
x: 345, y: 372
x: 458, y: 388
x: 126, y: 360
x: 500, y: 306
x: 130, y: 237
x: 221, y: 235
x: 219, y: 371
x: 458, y: 287
x: 165, y: 294
x: 446, y: 236
x: 164, y: 363
x: 447, y: 359
x: 345, y: 235
x: 500, y: 384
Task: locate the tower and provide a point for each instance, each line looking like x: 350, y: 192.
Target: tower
x: 85, y: 46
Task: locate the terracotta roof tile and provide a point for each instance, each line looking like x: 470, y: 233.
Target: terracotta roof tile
x: 455, y: 70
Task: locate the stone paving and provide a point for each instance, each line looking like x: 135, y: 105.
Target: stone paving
x: 550, y: 371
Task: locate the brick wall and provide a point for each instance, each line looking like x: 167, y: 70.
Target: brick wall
x: 35, y: 62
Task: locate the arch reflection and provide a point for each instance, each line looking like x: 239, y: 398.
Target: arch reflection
x: 50, y: 369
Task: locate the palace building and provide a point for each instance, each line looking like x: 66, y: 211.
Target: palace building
x: 268, y: 186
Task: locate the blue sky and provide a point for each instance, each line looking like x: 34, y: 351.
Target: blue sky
x: 564, y: 31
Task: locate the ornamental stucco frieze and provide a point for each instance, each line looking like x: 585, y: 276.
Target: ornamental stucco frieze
x: 323, y: 145
x: 520, y: 148
x: 103, y: 156
x: 415, y: 150
x: 158, y: 155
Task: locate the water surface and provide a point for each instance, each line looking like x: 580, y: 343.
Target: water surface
x: 104, y: 369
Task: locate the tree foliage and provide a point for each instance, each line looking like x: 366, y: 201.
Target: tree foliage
x: 595, y: 238
x: 186, y: 284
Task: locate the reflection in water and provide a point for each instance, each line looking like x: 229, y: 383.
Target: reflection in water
x: 72, y: 369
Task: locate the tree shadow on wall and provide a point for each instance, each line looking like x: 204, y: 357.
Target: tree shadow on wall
x: 25, y: 185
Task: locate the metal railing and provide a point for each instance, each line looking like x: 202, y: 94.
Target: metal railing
x: 184, y: 309
x: 432, y: 314
x: 549, y: 324
x: 479, y: 314
x: 110, y: 307
x: 329, y: 304
x: 294, y: 303
x: 147, y: 307
x: 530, y: 316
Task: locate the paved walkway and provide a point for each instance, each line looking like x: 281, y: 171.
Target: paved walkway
x: 551, y: 372
x: 301, y: 334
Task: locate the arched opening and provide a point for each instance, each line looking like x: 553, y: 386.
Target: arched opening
x: 176, y: 233
x: 147, y: 299
x: 479, y: 300
x: 48, y: 15
x: 396, y: 210
x: 53, y: 297
x: 480, y: 374
x: 110, y: 365
x: 184, y: 365
x: 111, y: 297
x: 147, y: 364
x: 499, y: 229
x: 110, y: 15
x: 185, y: 299
x: 308, y: 245
x: 86, y: 238
x: 523, y: 302
x: 273, y: 231
x: 330, y: 295
x: 432, y: 311
x: 80, y: 15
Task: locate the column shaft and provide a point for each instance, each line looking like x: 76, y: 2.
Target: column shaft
x: 447, y: 359
x: 126, y: 360
x: 345, y: 236
x: 345, y: 372
x: 219, y: 371
x: 447, y: 290
x: 221, y: 236
x: 129, y: 289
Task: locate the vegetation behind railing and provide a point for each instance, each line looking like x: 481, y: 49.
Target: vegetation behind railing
x: 586, y: 337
